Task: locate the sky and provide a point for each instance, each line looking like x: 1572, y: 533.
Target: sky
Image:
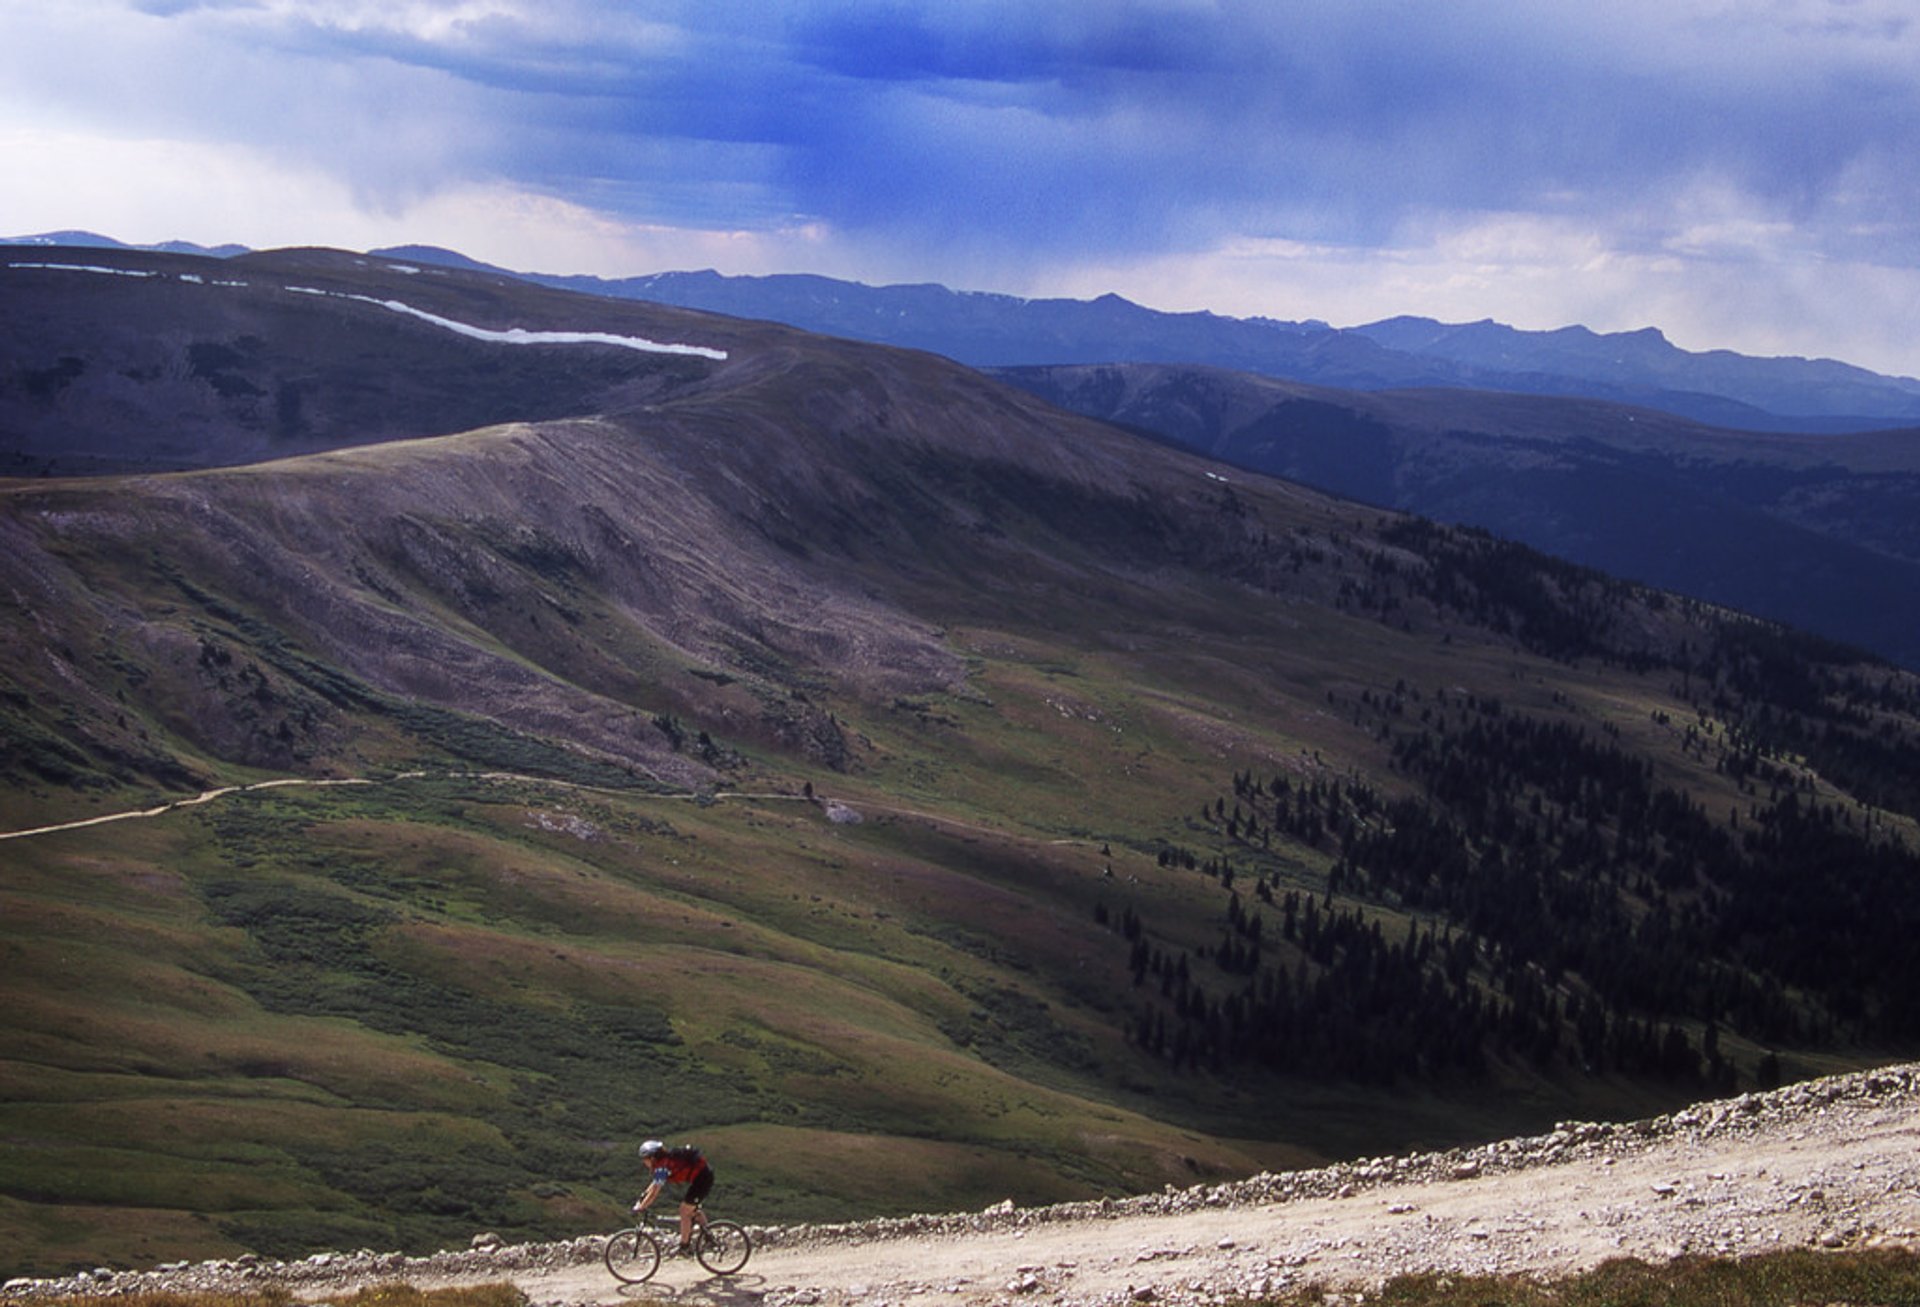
x: 1738, y: 173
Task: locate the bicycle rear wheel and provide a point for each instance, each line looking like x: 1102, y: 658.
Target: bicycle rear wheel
x: 722, y: 1247
x: 632, y: 1255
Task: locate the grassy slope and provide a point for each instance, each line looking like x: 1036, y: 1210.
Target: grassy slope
x: 292, y: 1013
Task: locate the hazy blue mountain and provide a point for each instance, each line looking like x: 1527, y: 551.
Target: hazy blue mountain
x: 94, y: 240
x: 1646, y: 361
x: 988, y: 330
x: 992, y: 330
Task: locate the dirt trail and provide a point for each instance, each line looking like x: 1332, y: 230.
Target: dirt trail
x: 1829, y: 1163
x: 1832, y: 1172
x: 208, y: 796
x: 847, y: 811
x: 205, y: 796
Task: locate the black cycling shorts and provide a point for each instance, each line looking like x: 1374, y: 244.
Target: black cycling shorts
x: 699, y: 1187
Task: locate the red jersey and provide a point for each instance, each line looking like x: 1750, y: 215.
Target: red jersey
x: 678, y: 1166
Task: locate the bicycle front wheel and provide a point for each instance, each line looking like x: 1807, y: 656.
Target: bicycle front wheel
x: 632, y: 1255
x: 723, y: 1247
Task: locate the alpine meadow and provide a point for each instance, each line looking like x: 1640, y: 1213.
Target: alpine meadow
x: 452, y: 728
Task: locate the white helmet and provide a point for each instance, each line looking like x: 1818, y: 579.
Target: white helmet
x: 652, y: 1147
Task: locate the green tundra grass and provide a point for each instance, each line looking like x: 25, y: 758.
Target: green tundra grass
x: 393, y: 1013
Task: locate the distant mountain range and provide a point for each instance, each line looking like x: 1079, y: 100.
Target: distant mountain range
x: 991, y: 330
x: 984, y: 330
x: 94, y: 240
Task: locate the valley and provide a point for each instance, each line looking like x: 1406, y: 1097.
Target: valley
x: 917, y: 794
x: 1814, y: 530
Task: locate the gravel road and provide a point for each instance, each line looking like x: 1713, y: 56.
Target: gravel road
x: 1829, y: 1163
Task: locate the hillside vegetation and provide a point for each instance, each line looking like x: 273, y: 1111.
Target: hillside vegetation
x: 1814, y: 530
x: 912, y: 794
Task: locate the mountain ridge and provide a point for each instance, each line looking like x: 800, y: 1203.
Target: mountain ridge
x: 992, y: 330
x: 1806, y: 529
x: 1814, y: 530
x: 94, y: 240
x: 1640, y: 367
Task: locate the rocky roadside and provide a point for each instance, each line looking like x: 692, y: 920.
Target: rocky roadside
x: 1719, y: 1187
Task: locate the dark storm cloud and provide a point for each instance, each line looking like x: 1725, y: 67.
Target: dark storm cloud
x: 1132, y: 126
x: 1741, y: 166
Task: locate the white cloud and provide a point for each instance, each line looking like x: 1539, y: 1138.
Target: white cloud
x: 426, y: 20
x: 144, y: 191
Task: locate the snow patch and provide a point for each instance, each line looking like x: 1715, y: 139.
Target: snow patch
x: 521, y: 335
x: 88, y: 267
x: 509, y: 336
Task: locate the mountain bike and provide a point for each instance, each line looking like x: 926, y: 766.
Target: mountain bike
x: 634, y: 1254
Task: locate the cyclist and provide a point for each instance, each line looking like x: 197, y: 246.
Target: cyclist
x: 684, y: 1166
